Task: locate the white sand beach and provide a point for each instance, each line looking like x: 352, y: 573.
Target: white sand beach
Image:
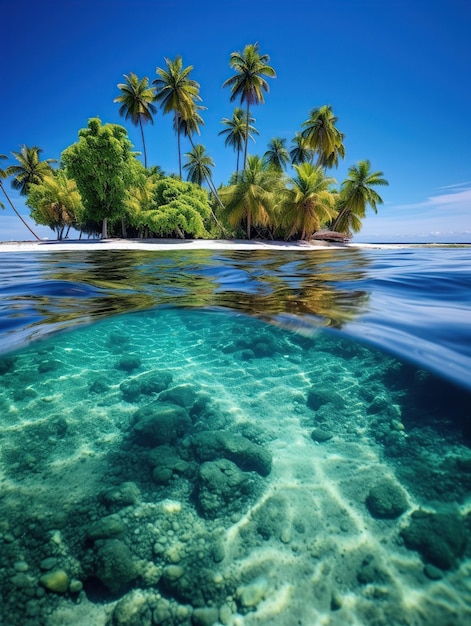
x: 161, y: 244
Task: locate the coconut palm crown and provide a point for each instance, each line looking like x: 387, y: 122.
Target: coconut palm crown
x: 250, y: 200
x: 236, y: 131
x: 323, y: 137
x: 199, y: 165
x: 300, y: 153
x: 277, y: 155
x: 356, y: 194
x: 248, y: 82
x: 308, y: 202
x: 136, y: 103
x: 177, y: 93
x: 30, y: 171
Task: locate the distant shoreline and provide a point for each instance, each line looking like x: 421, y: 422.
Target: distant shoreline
x: 196, y: 244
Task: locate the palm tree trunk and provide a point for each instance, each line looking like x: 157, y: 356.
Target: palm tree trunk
x: 11, y: 204
x: 179, y: 148
x: 249, y: 225
x: 143, y: 143
x: 104, y: 229
x: 336, y: 222
x: 237, y: 166
x: 246, y: 147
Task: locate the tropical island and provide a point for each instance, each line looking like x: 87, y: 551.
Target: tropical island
x: 101, y: 188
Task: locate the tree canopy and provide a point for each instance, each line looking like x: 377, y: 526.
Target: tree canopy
x: 168, y: 207
x: 104, y: 167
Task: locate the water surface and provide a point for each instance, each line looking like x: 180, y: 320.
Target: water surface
x: 265, y: 438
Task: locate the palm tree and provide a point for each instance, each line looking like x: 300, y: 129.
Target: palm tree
x: 30, y: 170
x: 236, y: 132
x: 56, y: 202
x: 299, y: 152
x: 3, y: 174
x: 323, y: 137
x: 355, y: 194
x: 251, y: 197
x: 277, y: 155
x: 199, y: 165
x: 308, y: 202
x: 248, y: 84
x: 136, y: 103
x: 177, y: 94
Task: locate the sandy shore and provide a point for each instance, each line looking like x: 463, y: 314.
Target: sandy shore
x: 194, y: 244
x: 161, y: 244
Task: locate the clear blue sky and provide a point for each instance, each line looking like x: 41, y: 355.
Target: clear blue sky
x: 396, y: 72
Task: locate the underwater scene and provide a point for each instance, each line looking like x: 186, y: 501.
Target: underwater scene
x: 263, y: 438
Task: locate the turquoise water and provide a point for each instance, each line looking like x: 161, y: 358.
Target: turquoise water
x: 233, y: 438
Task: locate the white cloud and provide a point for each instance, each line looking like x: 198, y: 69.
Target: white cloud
x: 445, y: 216
x: 456, y: 185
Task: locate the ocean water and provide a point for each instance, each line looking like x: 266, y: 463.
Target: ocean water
x: 263, y: 438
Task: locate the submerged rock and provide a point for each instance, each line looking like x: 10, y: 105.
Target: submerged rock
x: 251, y: 595
x: 114, y: 565
x: 222, y: 487
x: 107, y: 527
x: 386, y: 500
x: 132, y: 610
x: 320, y: 435
x: 183, y: 395
x: 126, y: 494
x: 318, y: 397
x: 248, y: 456
x: 165, y: 462
x: 440, y: 538
x: 128, y: 363
x: 56, y: 581
x: 7, y: 364
x: 160, y: 423
x: 205, y: 616
x: 145, y: 385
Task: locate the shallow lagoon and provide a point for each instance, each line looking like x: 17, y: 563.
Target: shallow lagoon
x: 211, y: 442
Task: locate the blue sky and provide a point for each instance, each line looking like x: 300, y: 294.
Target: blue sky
x: 396, y: 72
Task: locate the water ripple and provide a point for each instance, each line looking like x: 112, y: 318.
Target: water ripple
x: 412, y: 302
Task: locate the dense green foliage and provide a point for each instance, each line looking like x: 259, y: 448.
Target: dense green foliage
x: 169, y: 207
x: 101, y: 186
x: 104, y: 167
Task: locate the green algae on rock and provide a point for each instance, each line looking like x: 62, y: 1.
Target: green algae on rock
x: 386, y: 499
